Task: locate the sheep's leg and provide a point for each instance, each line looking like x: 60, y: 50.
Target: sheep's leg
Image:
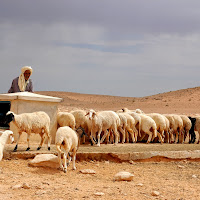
x: 103, y: 138
x: 160, y: 136
x: 176, y: 139
x: 65, y: 162
x: 116, y: 135
x: 127, y: 136
x: 132, y: 135
x: 42, y: 141
x: 16, y: 146
x: 28, y: 141
x: 49, y: 141
x: 73, y: 159
x: 136, y: 133
x: 92, y: 138
x: 150, y: 136
x: 122, y: 131
x: 59, y: 156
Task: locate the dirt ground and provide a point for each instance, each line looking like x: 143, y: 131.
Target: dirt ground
x: 172, y: 180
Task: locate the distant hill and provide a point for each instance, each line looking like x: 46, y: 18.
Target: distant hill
x: 185, y: 101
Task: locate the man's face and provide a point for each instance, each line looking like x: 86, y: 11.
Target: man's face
x: 27, y: 74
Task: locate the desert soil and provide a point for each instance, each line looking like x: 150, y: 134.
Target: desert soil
x: 171, y: 180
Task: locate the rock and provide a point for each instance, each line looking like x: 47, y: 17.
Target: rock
x: 155, y: 193
x: 45, y: 160
x: 18, y: 186
x: 123, y: 176
x: 139, y: 184
x: 26, y: 186
x: 40, y: 192
x: 87, y: 171
x: 99, y: 194
x: 180, y: 166
x: 194, y: 176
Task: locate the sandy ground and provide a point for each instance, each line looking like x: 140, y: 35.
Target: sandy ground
x: 172, y: 180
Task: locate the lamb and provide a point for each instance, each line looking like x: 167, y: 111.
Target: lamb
x: 148, y: 126
x: 36, y: 122
x: 67, y: 140
x: 103, y: 121
x: 66, y: 119
x: 3, y: 140
x: 191, y: 131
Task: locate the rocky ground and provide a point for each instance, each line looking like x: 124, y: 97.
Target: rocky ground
x: 156, y: 179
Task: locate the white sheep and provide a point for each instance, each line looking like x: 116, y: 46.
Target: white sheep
x: 3, y: 140
x: 178, y: 129
x: 82, y: 121
x: 172, y: 127
x: 103, y: 121
x: 187, y: 124
x: 148, y: 126
x: 66, y: 119
x: 36, y: 122
x: 67, y: 140
x: 160, y: 123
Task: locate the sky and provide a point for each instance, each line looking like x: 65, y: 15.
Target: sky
x: 129, y: 48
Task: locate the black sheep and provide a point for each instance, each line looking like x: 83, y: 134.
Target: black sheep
x: 191, y: 131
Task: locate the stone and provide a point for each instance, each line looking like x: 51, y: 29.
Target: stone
x: 194, y: 176
x: 45, y: 160
x: 18, y: 186
x: 88, y: 171
x: 123, y: 176
x: 26, y: 186
x: 155, y: 193
x: 99, y: 194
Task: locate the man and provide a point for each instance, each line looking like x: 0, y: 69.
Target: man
x: 23, y: 82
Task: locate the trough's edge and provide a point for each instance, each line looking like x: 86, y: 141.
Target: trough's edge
x: 116, y: 157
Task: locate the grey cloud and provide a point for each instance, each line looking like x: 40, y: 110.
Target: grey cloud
x: 126, y: 17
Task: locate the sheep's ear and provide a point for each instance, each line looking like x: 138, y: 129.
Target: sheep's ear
x: 87, y: 114
x: 93, y: 114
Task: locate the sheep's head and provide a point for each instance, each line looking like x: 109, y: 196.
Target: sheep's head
x: 9, y: 117
x: 192, y: 119
x: 91, y: 114
x: 9, y: 133
x: 81, y: 132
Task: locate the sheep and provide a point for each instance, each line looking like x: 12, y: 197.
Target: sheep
x: 127, y: 126
x: 103, y: 121
x: 171, y: 126
x: 36, y: 122
x: 186, y: 127
x: 160, y: 123
x: 178, y: 129
x: 3, y: 140
x: 66, y: 119
x: 82, y: 121
x: 68, y: 140
x: 148, y: 126
x: 197, y: 127
x: 167, y: 130
x: 191, y: 131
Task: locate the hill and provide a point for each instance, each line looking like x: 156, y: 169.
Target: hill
x: 185, y: 101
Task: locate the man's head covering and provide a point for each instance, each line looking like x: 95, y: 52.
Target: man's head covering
x: 22, y: 82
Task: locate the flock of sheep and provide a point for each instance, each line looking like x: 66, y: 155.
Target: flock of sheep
x: 122, y: 126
